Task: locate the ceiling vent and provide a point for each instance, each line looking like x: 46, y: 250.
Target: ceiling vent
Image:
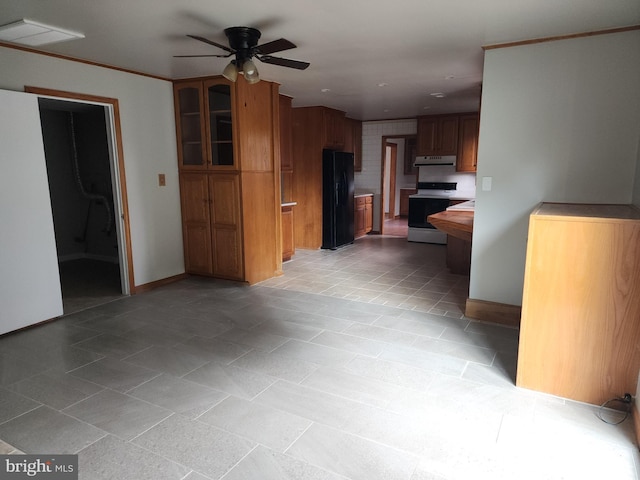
x: 28, y: 32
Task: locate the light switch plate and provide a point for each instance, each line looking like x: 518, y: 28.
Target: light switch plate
x: 486, y: 184
x: 161, y: 180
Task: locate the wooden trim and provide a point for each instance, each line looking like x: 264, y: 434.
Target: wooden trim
x: 561, y: 37
x: 160, y: 283
x: 80, y: 60
x: 501, y: 313
x: 120, y: 152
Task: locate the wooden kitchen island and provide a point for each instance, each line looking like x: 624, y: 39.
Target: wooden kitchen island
x: 458, y: 225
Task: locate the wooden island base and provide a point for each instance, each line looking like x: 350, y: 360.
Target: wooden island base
x: 459, y: 228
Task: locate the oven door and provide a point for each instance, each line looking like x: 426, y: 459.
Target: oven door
x: 421, y: 207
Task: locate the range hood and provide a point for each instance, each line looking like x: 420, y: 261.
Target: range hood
x: 432, y: 160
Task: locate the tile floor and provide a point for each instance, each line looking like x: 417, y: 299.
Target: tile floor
x: 356, y: 364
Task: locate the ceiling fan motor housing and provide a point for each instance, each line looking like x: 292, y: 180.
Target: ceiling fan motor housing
x: 243, y: 40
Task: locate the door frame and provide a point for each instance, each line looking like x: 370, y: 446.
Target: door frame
x: 393, y: 160
x: 118, y: 177
x: 386, y: 139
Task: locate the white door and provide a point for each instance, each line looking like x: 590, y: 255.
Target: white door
x: 29, y: 279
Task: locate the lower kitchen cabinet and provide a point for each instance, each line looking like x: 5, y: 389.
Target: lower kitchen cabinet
x: 579, y: 332
x: 211, y: 224
x: 363, y: 215
x: 288, y: 240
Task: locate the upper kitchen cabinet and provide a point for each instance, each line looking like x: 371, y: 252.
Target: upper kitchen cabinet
x: 204, y: 124
x: 286, y: 154
x: 437, y: 135
x: 353, y: 141
x: 468, y: 143
x: 333, y: 128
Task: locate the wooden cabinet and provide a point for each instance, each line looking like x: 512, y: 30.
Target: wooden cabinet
x: 228, y: 141
x: 368, y: 214
x: 404, y: 200
x: 333, y: 128
x: 437, y: 135
x: 353, y: 141
x: 363, y: 215
x: 579, y: 332
x: 467, y: 143
x: 204, y: 124
x: 288, y: 241
x: 286, y: 154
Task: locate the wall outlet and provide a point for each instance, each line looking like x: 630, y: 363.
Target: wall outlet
x: 162, y: 181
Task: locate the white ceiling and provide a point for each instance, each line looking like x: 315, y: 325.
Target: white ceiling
x: 409, y: 46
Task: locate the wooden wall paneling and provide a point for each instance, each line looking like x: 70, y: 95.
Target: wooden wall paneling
x: 307, y: 177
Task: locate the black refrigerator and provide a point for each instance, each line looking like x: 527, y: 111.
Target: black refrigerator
x: 337, y: 199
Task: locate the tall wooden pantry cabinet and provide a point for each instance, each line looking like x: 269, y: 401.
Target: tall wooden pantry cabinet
x: 229, y: 159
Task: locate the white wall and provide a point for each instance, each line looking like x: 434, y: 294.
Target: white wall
x: 560, y: 122
x: 149, y: 143
x: 370, y: 177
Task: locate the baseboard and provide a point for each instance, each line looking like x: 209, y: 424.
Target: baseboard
x: 636, y: 422
x: 158, y: 283
x: 501, y: 313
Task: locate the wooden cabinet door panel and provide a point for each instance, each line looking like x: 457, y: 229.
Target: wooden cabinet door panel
x: 467, y: 144
x: 228, y: 254
x: 194, y: 191
x: 197, y: 248
x: 427, y: 136
x: 368, y: 217
x: 288, y: 245
x: 225, y: 196
x: 190, y: 126
x: 448, y: 133
x: 226, y: 229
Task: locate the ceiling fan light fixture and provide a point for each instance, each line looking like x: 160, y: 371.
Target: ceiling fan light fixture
x: 250, y: 71
x: 230, y: 72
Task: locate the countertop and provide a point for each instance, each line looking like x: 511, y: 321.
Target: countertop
x: 457, y: 224
x: 361, y: 193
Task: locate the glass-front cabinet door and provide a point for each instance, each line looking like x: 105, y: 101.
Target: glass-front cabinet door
x: 191, y: 130
x: 219, y: 101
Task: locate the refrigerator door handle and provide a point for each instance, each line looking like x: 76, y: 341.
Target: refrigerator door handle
x: 337, y: 193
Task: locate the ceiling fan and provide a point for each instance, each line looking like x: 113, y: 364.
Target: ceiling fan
x: 243, y: 43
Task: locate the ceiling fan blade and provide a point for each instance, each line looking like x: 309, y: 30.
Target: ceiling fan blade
x: 275, y: 46
x: 283, y: 62
x: 189, y: 56
x: 211, y: 42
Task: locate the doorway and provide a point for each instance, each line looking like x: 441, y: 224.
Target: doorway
x: 86, y: 187
x: 397, y: 174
